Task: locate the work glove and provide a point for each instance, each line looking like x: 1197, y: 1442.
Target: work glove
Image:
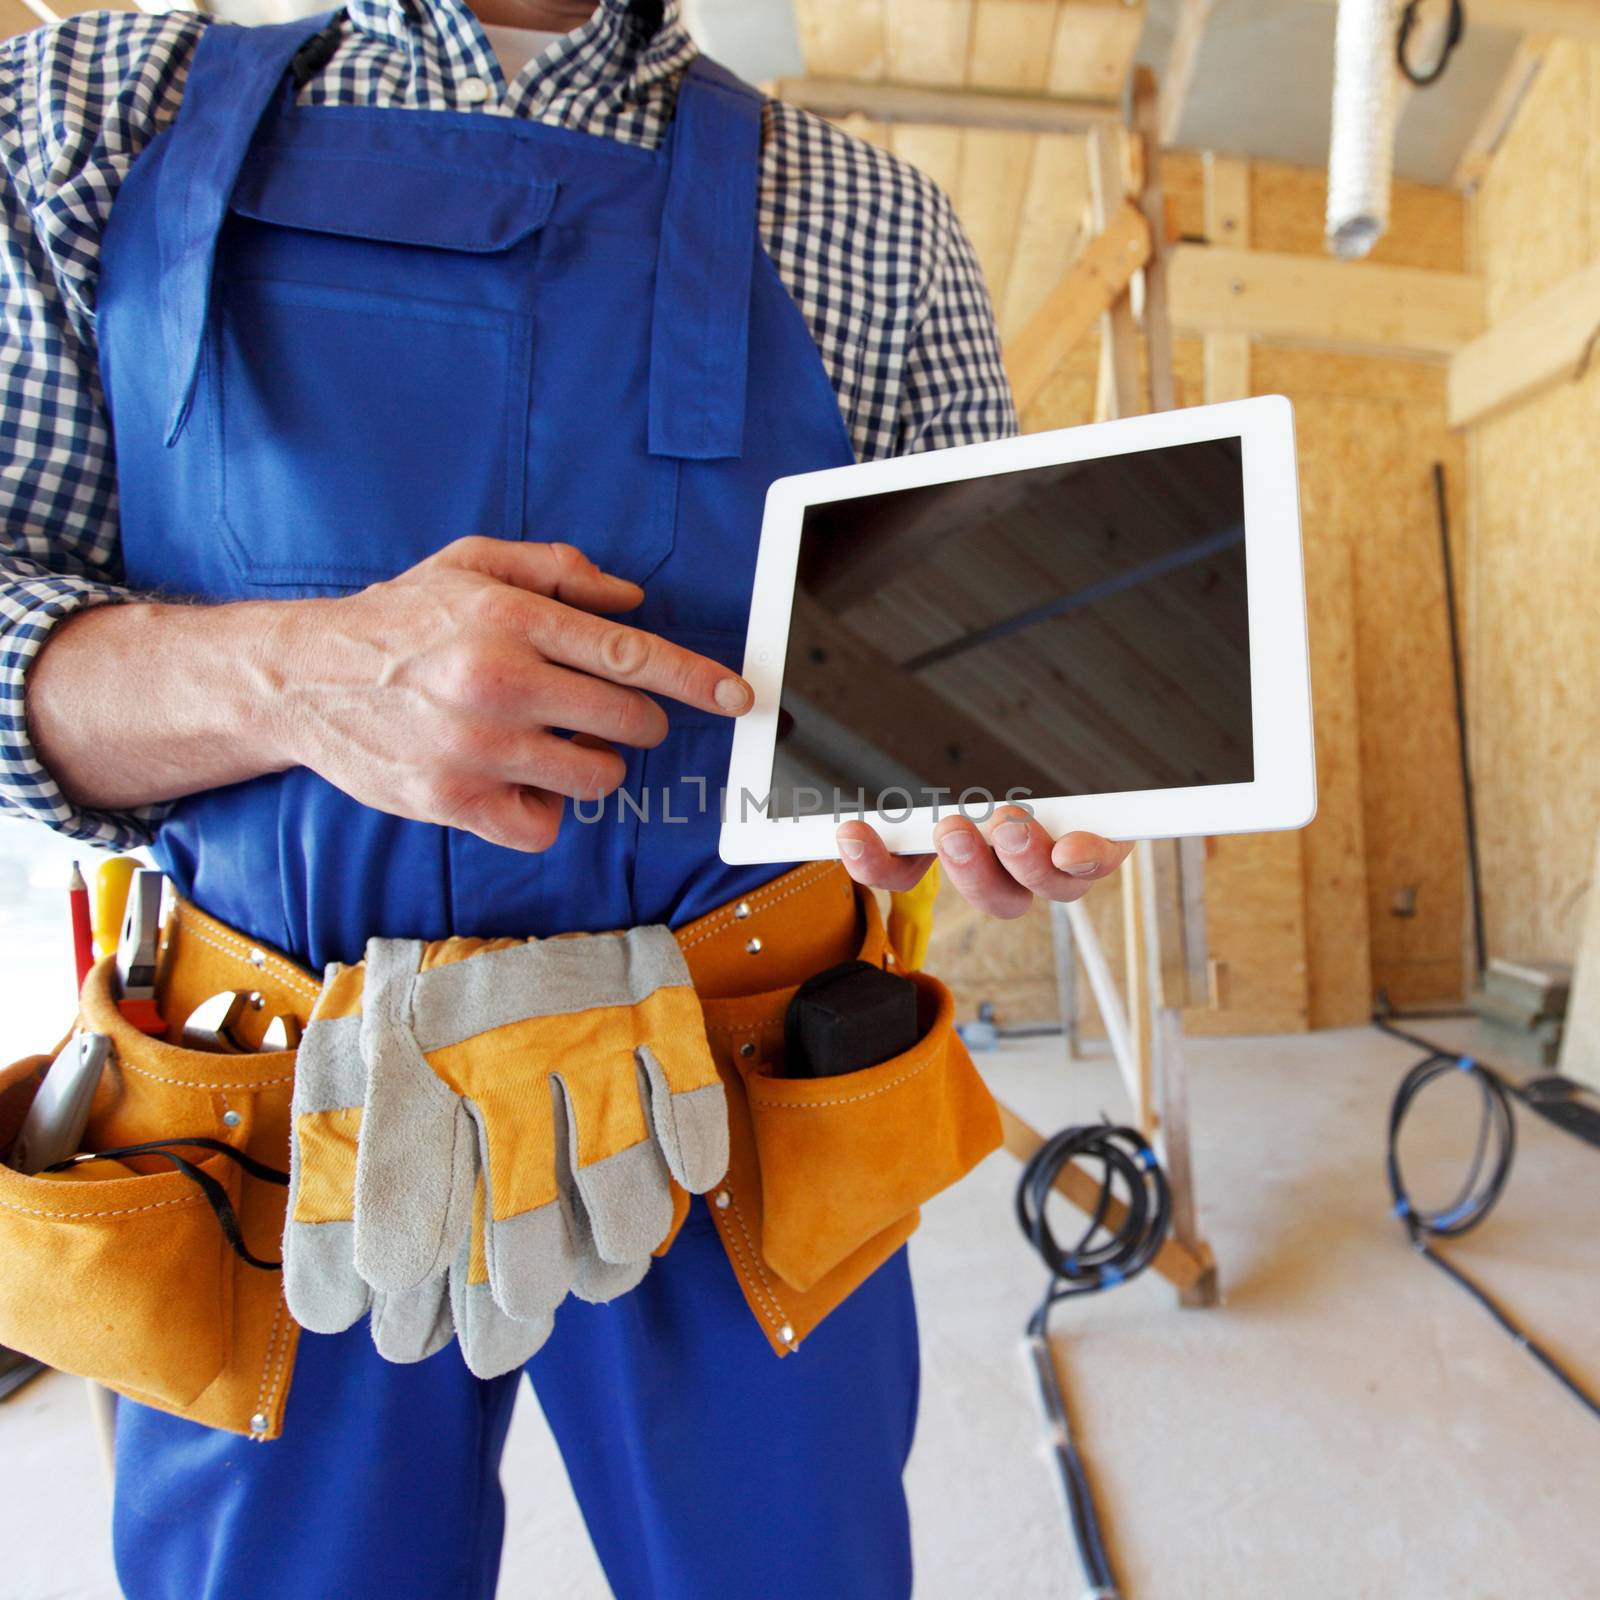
x: 488, y: 1125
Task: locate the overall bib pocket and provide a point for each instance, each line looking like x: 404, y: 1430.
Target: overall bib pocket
x: 846, y: 1157
x: 356, y: 434
x: 370, y: 364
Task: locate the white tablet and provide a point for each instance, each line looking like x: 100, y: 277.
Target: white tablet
x: 1106, y: 624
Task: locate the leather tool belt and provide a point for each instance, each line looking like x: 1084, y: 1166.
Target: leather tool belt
x: 119, y: 1269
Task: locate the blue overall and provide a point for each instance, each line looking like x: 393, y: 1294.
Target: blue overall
x: 333, y: 339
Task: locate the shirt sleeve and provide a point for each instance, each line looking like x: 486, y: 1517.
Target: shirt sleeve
x: 77, y: 103
x: 955, y: 389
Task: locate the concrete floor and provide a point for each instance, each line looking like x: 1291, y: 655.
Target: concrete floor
x: 1347, y: 1425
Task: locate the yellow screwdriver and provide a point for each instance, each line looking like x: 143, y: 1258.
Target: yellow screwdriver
x: 111, y: 883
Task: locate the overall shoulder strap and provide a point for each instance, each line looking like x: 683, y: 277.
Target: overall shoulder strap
x: 700, y: 333
x: 232, y: 80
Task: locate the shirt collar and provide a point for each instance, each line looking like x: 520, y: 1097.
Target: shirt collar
x: 616, y: 55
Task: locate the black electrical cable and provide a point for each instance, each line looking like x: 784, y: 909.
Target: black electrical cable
x: 1102, y: 1256
x: 1455, y: 29
x: 1093, y: 1262
x: 1441, y: 502
x: 1485, y: 1182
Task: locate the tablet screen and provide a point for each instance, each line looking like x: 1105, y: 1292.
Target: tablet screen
x: 1073, y: 629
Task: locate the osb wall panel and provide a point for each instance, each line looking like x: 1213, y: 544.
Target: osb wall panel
x: 1534, y: 562
x: 1385, y: 859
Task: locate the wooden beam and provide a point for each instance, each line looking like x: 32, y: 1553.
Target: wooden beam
x: 1163, y: 388
x: 1119, y: 346
x: 1548, y: 342
x: 1178, y: 74
x: 1501, y: 111
x: 1086, y: 292
x: 957, y: 108
x: 1579, y: 19
x: 1177, y: 1263
x: 1353, y: 307
x: 1136, y: 952
x: 1227, y: 219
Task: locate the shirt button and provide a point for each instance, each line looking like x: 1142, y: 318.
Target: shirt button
x: 474, y: 91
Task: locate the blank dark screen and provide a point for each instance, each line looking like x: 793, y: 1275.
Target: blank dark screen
x: 1066, y: 630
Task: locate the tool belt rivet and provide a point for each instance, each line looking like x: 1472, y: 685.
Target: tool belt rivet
x: 741, y: 911
x: 747, y: 1049
x: 231, y: 1119
x: 786, y: 1334
x: 257, y: 958
x: 258, y: 1423
x: 753, y: 948
x: 723, y: 1200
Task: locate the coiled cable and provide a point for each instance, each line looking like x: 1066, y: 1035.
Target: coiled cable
x: 1102, y: 1256
x: 1119, y: 1241
x: 1490, y: 1168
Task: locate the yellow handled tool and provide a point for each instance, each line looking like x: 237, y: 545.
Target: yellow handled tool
x: 911, y: 920
x: 111, y: 883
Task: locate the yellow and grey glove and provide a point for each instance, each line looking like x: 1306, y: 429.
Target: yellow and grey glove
x: 500, y: 1117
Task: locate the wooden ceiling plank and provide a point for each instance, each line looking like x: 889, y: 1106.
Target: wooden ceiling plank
x: 1548, y: 342
x: 960, y: 108
x: 1084, y: 294
x: 925, y: 41
x: 842, y: 41
x: 1011, y: 44
x: 1094, y: 45
x: 1408, y: 312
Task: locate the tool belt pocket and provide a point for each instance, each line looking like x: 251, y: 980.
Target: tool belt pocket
x: 121, y: 1267
x: 844, y: 1158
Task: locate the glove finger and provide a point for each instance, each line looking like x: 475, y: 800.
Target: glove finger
x: 417, y: 1159
x: 627, y: 1196
x: 691, y: 1126
x: 492, y: 1343
x: 323, y: 1290
x: 414, y: 1323
x: 531, y: 1257
x: 600, y: 1281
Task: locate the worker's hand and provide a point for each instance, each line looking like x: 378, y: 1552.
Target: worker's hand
x: 999, y: 874
x: 436, y: 695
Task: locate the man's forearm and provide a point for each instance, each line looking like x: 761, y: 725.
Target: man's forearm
x: 138, y: 703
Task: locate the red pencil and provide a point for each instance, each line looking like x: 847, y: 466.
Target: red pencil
x: 82, y: 934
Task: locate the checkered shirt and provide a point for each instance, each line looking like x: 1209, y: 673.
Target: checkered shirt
x: 869, y: 248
